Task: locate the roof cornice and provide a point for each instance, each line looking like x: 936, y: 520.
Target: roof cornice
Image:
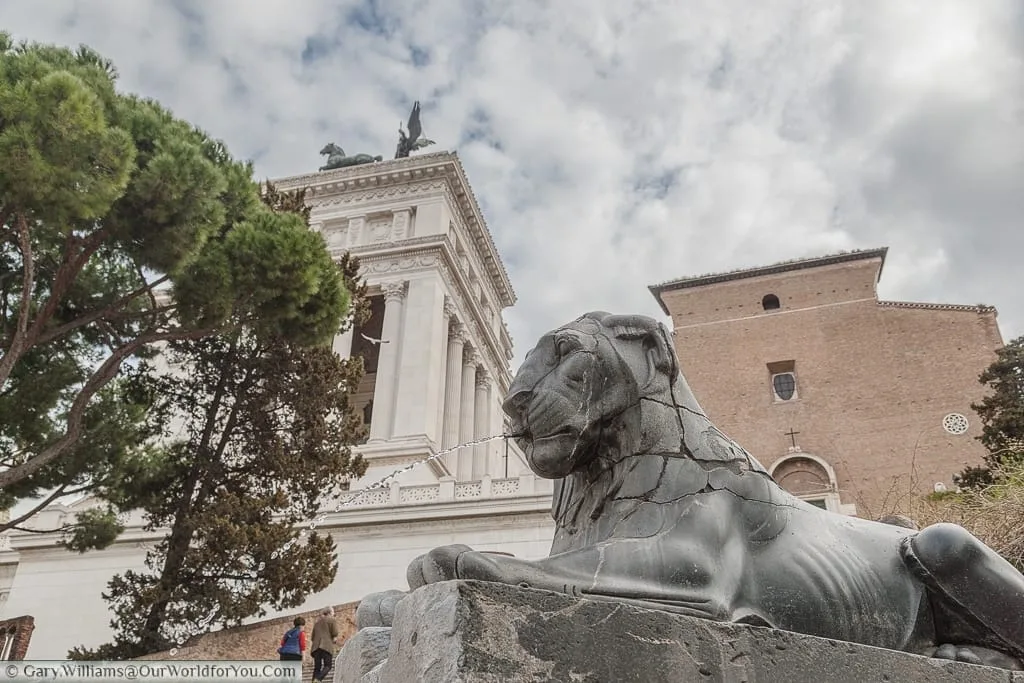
x: 979, y: 308
x: 446, y: 165
x: 772, y: 269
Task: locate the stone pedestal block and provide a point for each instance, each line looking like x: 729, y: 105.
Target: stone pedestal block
x: 363, y: 652
x: 475, y: 631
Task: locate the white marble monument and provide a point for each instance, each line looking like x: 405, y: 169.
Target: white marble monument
x: 437, y: 354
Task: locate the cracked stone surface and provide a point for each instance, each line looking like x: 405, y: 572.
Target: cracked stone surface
x: 654, y: 506
x: 478, y: 631
x: 373, y: 676
x: 364, y: 651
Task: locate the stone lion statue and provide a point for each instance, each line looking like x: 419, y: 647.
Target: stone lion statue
x: 655, y: 506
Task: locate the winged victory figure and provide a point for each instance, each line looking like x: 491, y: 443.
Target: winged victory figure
x: 411, y: 141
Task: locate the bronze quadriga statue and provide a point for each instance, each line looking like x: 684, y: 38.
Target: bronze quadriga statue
x: 655, y: 506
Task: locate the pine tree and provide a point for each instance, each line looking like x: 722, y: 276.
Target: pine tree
x: 265, y: 428
x: 1002, y: 417
x: 121, y: 228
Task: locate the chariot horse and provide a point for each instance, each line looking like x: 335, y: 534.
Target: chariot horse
x: 656, y: 507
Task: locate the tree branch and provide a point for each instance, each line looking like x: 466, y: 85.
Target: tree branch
x: 20, y: 337
x: 96, y: 315
x: 97, y: 381
x: 41, y: 531
x: 226, y: 577
x: 12, y: 524
x: 60, y: 491
x: 149, y: 287
x: 70, y: 266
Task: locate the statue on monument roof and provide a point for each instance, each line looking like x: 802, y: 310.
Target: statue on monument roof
x: 336, y: 158
x: 412, y: 141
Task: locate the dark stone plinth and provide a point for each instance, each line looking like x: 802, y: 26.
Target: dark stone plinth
x: 478, y: 631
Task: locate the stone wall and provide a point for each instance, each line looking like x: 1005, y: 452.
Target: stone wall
x: 255, y: 641
x: 874, y: 380
x: 375, y: 544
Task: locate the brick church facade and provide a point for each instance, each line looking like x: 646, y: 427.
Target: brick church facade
x: 851, y: 402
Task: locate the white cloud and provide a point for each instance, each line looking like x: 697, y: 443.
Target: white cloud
x: 618, y: 143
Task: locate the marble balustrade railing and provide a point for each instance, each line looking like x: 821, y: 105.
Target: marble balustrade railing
x: 447, y: 490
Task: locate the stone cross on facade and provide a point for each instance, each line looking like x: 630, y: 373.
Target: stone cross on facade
x: 792, y: 436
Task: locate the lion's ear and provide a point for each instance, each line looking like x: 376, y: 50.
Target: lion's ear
x: 661, y: 356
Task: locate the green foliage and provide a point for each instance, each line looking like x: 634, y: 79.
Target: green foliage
x: 123, y: 227
x: 938, y: 496
x: 96, y: 528
x: 1002, y: 417
x: 265, y: 428
x: 993, y: 513
x: 974, y: 478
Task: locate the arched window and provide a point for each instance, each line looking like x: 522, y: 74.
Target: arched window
x: 784, y: 385
x: 770, y: 302
x: 7, y: 638
x: 803, y: 476
x: 811, y: 479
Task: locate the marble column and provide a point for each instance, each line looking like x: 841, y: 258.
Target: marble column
x: 387, y: 365
x: 453, y: 387
x: 422, y: 363
x: 449, y: 317
x: 481, y: 423
x: 465, y: 462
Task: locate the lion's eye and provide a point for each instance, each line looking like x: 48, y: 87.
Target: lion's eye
x: 564, y: 347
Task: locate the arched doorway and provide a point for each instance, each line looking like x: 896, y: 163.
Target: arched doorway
x: 810, y: 478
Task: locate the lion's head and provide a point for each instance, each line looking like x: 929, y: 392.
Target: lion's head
x: 581, y: 388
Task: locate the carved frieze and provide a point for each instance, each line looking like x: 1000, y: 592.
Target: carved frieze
x: 335, y: 233
x: 378, y: 228
x: 384, y: 193
x: 400, y: 264
x: 401, y: 224
x: 355, y: 229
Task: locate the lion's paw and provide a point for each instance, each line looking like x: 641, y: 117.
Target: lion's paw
x: 440, y: 564
x: 973, y: 654
x: 378, y: 609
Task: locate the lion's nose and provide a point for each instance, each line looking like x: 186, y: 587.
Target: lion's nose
x: 516, y: 403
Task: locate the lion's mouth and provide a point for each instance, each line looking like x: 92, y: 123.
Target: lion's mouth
x: 566, y: 431
x: 520, y: 433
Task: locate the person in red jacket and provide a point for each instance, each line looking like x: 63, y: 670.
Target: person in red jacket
x: 293, y: 645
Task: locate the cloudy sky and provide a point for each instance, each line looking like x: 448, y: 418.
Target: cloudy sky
x: 614, y: 144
